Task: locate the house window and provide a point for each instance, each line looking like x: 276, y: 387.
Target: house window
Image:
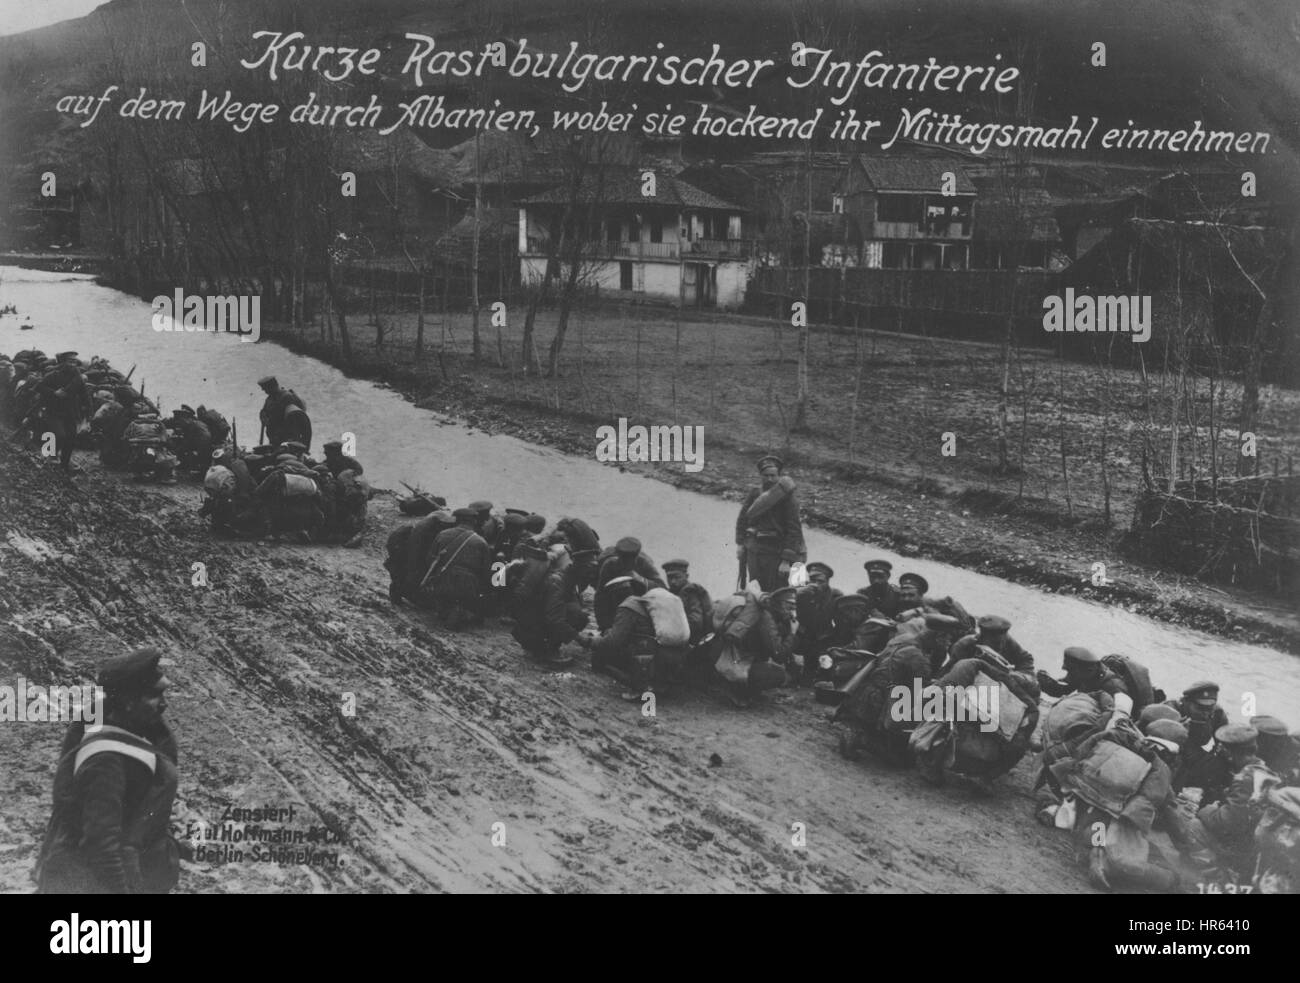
x: 656, y: 229
x: 837, y: 204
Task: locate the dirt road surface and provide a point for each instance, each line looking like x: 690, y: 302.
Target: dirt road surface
x: 452, y: 734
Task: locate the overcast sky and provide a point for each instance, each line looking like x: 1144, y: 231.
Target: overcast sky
x: 23, y: 15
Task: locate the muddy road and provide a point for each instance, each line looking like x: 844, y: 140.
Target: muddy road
x: 452, y: 735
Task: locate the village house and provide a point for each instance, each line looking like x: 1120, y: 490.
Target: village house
x: 682, y: 244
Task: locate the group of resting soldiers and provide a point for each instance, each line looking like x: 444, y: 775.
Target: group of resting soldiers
x: 276, y: 488
x: 916, y: 679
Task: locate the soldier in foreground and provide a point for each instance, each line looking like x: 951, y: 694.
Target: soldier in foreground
x: 113, y: 792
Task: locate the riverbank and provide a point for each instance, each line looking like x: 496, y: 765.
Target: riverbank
x: 463, y: 767
x: 899, y: 491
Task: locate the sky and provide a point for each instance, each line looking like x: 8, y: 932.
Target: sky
x: 23, y: 15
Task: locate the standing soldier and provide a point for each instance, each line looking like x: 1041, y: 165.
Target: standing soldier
x: 882, y: 595
x: 769, y: 535
x: 278, y: 401
x: 113, y: 792
x: 695, y: 599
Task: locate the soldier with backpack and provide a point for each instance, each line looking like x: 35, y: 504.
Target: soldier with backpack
x: 648, y: 640
x: 455, y: 578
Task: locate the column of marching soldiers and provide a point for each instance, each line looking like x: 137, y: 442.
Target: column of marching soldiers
x: 916, y: 680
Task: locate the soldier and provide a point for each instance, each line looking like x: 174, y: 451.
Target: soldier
x: 815, y: 610
x: 550, y: 615
x: 192, y: 441
x: 412, y: 556
x: 63, y: 403
x: 277, y: 402
x: 1204, y: 766
x: 1085, y: 673
x: 993, y: 633
x: 769, y: 535
x: 338, y: 462
x: 1278, y: 748
x: 113, y: 791
x: 1129, y: 858
x: 883, y: 596
x: 695, y: 599
x: 461, y: 566
x: 625, y: 558
x: 632, y: 647
x: 1229, y: 824
x: 912, y: 588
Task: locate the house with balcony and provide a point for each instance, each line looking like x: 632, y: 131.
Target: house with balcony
x: 905, y: 219
x: 682, y: 244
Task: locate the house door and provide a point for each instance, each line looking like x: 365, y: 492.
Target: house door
x: 625, y: 276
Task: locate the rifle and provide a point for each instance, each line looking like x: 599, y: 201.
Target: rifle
x: 450, y: 559
x: 419, y: 494
x: 234, y: 432
x: 261, y: 435
x: 127, y: 377
x: 740, y: 576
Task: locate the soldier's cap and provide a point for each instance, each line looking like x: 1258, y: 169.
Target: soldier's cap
x: 1204, y: 691
x: 1268, y: 726
x: 183, y: 411
x: 818, y: 565
x: 993, y: 622
x: 782, y: 594
x: 1169, y: 733
x: 333, y: 445
x: 771, y: 460
x: 135, y: 672
x: 878, y: 566
x: 850, y: 601
x: 65, y: 356
x: 916, y: 580
x: 681, y: 565
x: 465, y: 513
x: 482, y: 505
x: 534, y: 523
x: 1076, y: 653
x: 268, y: 382
x: 1236, y: 735
x: 1157, y: 711
x: 943, y: 623
x: 628, y: 544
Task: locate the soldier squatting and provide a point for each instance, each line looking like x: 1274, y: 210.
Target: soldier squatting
x: 1117, y: 761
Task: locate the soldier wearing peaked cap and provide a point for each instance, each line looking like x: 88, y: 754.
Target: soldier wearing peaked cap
x: 1206, y: 768
x: 769, y: 532
x: 1278, y: 748
x: 622, y: 559
x: 1086, y: 673
x: 993, y: 633
x: 885, y: 598
x: 62, y: 402
x: 1229, y: 821
x: 815, y: 607
x: 695, y: 599
x: 460, y: 569
x: 113, y: 791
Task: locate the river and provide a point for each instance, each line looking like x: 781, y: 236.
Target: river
x: 399, y: 442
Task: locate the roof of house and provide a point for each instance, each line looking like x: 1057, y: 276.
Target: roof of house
x: 368, y: 152
x: 622, y: 186
x: 913, y: 174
